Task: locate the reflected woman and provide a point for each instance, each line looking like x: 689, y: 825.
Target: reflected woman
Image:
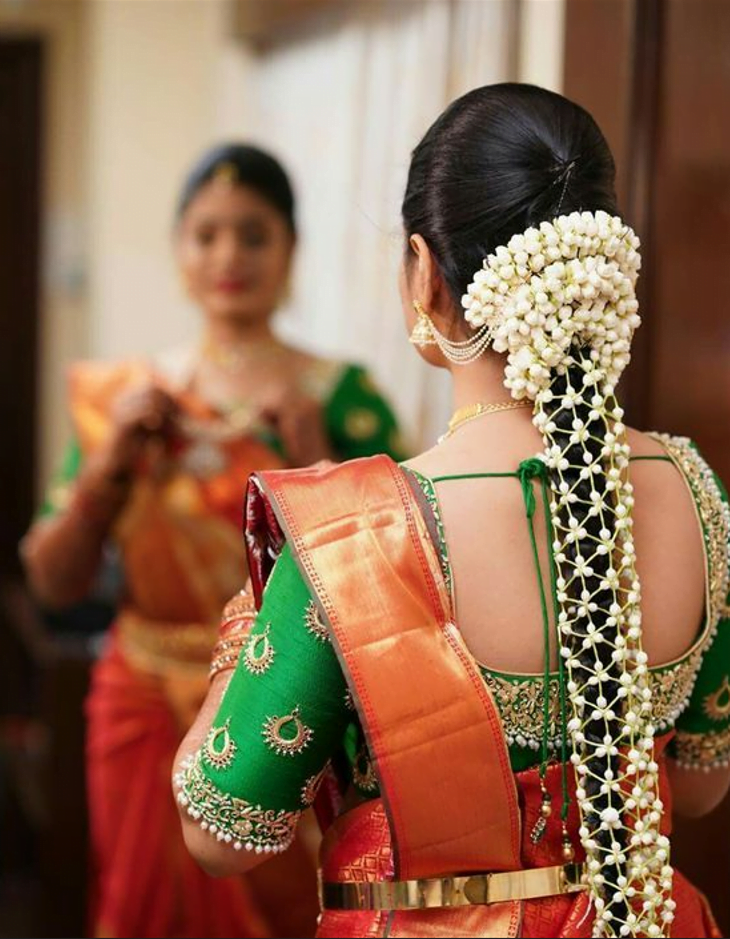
x: 161, y: 452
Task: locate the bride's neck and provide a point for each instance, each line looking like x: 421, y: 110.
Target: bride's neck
x: 481, y: 381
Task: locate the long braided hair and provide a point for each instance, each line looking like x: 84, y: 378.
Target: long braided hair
x: 513, y: 190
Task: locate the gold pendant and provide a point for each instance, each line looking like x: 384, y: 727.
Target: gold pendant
x: 546, y: 810
x: 287, y: 746
x: 220, y: 759
x: 259, y: 653
x: 538, y: 830
x: 314, y: 624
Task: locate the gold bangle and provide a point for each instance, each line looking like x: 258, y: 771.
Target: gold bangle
x: 226, y: 653
x: 236, y: 623
x: 221, y: 665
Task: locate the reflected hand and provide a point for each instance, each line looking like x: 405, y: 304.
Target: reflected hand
x: 139, y: 415
x: 299, y: 422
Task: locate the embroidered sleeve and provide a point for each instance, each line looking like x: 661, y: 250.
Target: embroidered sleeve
x: 282, y: 717
x: 359, y: 420
x: 703, y: 729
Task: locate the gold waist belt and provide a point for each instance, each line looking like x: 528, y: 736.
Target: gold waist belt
x: 468, y: 890
x: 157, y: 646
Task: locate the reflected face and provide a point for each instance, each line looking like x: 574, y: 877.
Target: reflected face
x: 234, y: 250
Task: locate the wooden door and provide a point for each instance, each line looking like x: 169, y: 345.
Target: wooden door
x: 20, y: 133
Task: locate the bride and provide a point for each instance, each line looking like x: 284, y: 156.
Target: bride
x: 494, y: 669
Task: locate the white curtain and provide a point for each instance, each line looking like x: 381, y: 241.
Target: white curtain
x: 343, y: 105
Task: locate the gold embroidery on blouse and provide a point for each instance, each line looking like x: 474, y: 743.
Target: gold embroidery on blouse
x: 704, y: 750
x: 396, y: 441
x: 520, y: 704
x: 520, y: 700
x: 671, y: 688
x: 363, y: 774
x: 367, y: 384
x: 716, y: 705
x: 235, y: 821
x: 362, y: 423
x: 219, y: 757
x: 60, y: 496
x: 714, y: 514
x: 313, y: 622
x: 259, y: 652
x: 286, y: 745
x: 311, y: 787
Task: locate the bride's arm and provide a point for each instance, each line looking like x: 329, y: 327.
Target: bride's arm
x: 251, y: 763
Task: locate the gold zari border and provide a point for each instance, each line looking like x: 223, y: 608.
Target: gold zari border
x: 230, y: 819
x: 709, y: 750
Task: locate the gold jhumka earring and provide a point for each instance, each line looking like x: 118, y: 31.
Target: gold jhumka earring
x: 422, y: 332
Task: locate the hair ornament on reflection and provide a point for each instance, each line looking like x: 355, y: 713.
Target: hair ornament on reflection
x: 225, y: 174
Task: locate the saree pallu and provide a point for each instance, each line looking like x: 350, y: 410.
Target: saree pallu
x: 180, y: 545
x: 451, y: 804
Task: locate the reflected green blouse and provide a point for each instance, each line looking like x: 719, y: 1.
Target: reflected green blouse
x: 287, y: 710
x: 358, y: 420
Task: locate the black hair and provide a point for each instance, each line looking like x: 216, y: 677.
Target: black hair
x: 245, y: 165
x: 498, y: 160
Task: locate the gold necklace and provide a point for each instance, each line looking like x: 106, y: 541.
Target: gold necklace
x: 471, y: 412
x: 237, y: 358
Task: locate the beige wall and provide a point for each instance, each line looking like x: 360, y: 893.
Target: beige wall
x: 163, y: 87
x: 542, y: 31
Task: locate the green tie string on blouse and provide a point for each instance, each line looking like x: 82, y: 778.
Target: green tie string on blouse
x: 528, y: 471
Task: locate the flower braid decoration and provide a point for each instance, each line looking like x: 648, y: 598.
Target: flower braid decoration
x: 560, y: 301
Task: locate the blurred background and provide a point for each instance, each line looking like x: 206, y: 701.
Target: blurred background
x: 104, y: 104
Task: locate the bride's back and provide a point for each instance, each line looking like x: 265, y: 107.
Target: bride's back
x: 496, y: 586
